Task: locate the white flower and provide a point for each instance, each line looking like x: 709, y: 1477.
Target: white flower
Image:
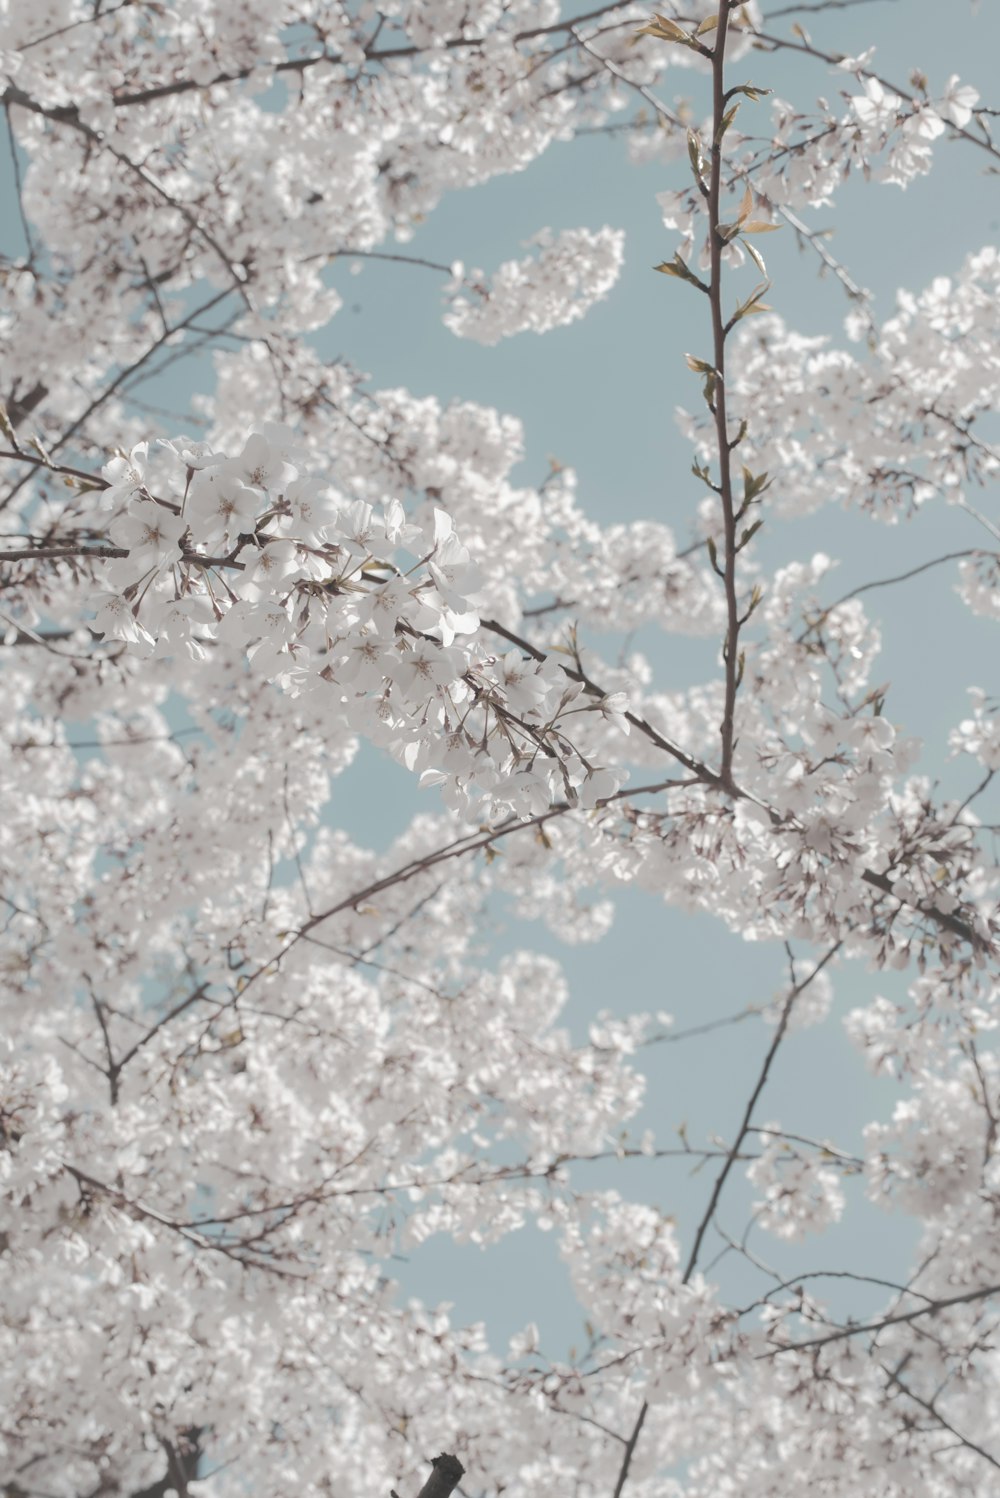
x: 220, y: 507
x: 857, y: 64
x: 356, y: 527
x: 598, y: 785
x: 802, y: 1193
x: 574, y: 269
x: 115, y: 620
x: 876, y: 108
x: 523, y: 685
x: 260, y: 464
x: 273, y: 564
x: 365, y: 664
x: 311, y: 509
x: 150, y: 534
x: 398, y: 530
x: 423, y: 667
x: 613, y: 708
x: 958, y: 101
x: 182, y: 622
x: 125, y: 475
x: 192, y: 452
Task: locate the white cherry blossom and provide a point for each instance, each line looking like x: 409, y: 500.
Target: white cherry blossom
x: 253, y: 1067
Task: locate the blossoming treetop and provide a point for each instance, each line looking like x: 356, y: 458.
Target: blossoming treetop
x: 246, y: 1060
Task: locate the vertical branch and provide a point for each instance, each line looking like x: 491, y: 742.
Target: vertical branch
x: 444, y: 1479
x: 730, y: 653
x: 446, y: 1476
x: 725, y: 491
x: 746, y: 1123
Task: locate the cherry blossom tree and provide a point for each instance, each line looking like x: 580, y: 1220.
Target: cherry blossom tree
x: 245, y: 1060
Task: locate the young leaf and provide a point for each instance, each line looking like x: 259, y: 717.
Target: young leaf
x: 680, y: 268
x: 6, y: 427
x: 696, y: 157
x: 752, y: 92
x: 756, y: 257
x: 665, y: 29
x: 725, y: 122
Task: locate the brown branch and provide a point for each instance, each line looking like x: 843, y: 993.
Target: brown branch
x: 386, y: 54
x: 792, y: 10
x: 952, y: 923
x: 779, y: 43
x: 746, y: 1125
x: 591, y: 687
x: 70, y: 115
x: 47, y: 36
x: 94, y: 480
x: 717, y: 245
x: 89, y: 1184
x: 60, y: 553
x: 885, y: 582
x: 445, y: 1478
x: 630, y: 1446
x: 709, y: 777
x: 814, y: 239
x: 930, y: 1406
x: 898, y: 1319
x: 720, y: 1181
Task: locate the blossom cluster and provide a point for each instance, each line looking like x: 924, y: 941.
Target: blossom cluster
x: 575, y: 269
x: 255, y: 1064
x: 327, y: 595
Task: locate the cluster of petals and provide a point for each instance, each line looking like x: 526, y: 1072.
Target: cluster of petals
x: 330, y: 595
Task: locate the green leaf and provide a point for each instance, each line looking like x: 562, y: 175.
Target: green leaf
x: 680, y: 268
x: 759, y: 226
x: 696, y: 156
x: 752, y: 304
x: 753, y: 484
x: 706, y: 478
x: 756, y: 257
x: 708, y: 24
x: 700, y: 366
x: 752, y: 92
x: 666, y: 30
x: 755, y: 598
x: 725, y: 122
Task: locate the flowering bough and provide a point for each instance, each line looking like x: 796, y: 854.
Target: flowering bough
x: 246, y: 1061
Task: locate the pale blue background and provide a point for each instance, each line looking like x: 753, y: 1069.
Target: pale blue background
x: 599, y: 396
